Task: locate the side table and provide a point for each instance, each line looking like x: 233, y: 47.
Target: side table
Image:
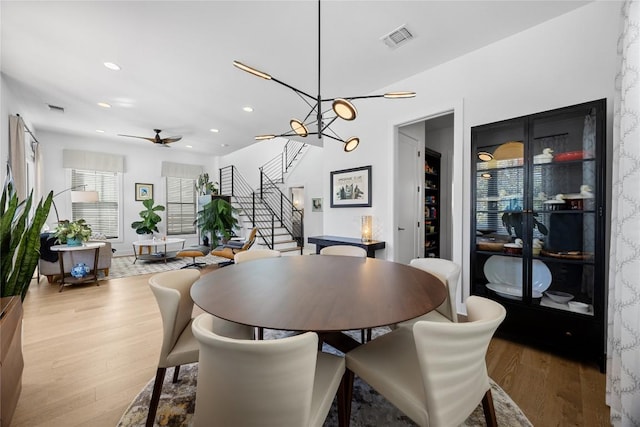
x: 93, y: 274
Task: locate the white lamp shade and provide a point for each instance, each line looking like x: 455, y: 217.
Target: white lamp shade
x: 84, y: 196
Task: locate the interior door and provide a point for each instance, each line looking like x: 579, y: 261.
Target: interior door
x: 408, y: 198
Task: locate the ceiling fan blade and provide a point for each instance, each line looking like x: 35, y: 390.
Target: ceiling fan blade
x: 171, y: 139
x: 140, y: 137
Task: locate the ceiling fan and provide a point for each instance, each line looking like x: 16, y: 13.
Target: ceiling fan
x: 157, y: 139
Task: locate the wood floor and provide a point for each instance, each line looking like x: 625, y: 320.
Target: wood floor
x: 89, y: 350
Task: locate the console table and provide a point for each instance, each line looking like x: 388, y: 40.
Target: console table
x: 92, y: 276
x: 324, y: 241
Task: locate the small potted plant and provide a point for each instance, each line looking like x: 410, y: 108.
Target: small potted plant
x: 73, y: 233
x: 205, y: 187
x: 150, y: 218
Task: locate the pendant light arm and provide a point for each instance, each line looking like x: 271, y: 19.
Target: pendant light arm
x: 293, y: 88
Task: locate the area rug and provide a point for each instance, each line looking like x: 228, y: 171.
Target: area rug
x: 369, y: 409
x: 124, y: 267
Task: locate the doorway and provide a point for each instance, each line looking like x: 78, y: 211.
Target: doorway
x: 435, y: 134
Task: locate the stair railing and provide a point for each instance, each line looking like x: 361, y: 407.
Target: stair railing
x: 291, y: 218
x: 280, y: 164
x: 233, y: 184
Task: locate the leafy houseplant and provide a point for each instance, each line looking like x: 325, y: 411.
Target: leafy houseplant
x: 204, y: 186
x: 150, y: 218
x: 73, y: 233
x: 19, y: 240
x: 216, y: 218
x: 513, y: 222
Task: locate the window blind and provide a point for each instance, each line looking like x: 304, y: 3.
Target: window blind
x: 181, y: 205
x: 102, y: 216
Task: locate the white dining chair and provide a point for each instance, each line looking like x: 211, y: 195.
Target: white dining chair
x: 252, y: 254
x: 348, y: 250
x: 179, y: 346
x: 280, y: 382
x: 449, y: 273
x: 344, y: 250
x: 434, y: 372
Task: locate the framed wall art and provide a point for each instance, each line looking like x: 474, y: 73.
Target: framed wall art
x: 351, y: 188
x: 144, y: 191
x: 316, y: 204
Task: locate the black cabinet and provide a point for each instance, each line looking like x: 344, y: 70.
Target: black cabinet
x: 538, y: 203
x: 431, y: 204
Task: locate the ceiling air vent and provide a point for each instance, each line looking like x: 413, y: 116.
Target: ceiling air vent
x: 55, y: 108
x: 397, y: 37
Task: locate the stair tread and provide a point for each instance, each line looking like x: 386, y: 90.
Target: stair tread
x: 296, y: 248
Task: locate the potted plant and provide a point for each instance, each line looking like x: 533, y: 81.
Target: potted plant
x: 20, y: 240
x: 73, y: 233
x: 150, y: 218
x: 513, y: 222
x: 217, y: 220
x: 204, y: 186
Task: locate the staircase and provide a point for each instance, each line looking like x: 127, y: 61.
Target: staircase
x: 279, y: 223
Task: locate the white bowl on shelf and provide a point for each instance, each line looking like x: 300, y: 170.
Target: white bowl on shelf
x: 559, y: 297
x: 578, y: 307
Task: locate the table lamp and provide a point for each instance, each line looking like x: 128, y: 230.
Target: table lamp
x: 365, y: 228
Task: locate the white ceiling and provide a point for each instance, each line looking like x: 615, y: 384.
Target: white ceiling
x: 176, y: 59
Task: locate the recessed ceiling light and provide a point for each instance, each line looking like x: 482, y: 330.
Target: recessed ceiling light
x: 99, y: 131
x: 112, y: 66
x: 189, y: 146
x: 214, y: 130
x: 104, y: 105
x: 248, y: 109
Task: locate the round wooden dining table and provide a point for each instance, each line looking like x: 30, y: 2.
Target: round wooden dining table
x: 320, y: 293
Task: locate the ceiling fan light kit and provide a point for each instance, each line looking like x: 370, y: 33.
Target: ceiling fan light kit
x: 342, y: 107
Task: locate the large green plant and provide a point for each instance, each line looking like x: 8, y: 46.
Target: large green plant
x: 216, y: 218
x: 150, y: 218
x: 20, y: 240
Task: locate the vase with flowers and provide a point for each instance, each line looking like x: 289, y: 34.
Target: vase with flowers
x: 73, y: 233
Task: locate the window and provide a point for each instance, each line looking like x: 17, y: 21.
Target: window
x: 103, y: 215
x: 181, y: 205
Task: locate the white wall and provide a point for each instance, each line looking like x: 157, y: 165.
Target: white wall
x: 142, y: 164
x: 249, y: 159
x: 565, y: 61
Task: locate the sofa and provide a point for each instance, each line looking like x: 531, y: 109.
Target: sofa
x: 48, y: 264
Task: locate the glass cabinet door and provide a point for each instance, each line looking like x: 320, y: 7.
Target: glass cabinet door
x: 565, y: 188
x: 500, y: 201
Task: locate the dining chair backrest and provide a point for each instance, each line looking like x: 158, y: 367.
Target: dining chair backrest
x: 344, y: 250
x: 245, y: 256
x: 449, y: 273
x: 172, y: 292
x: 452, y: 361
x: 253, y: 383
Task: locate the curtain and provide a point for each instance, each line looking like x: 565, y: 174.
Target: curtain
x: 92, y: 161
x: 17, y: 158
x: 623, y: 329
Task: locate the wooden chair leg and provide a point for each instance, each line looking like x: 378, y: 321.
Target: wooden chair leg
x: 260, y: 333
x: 489, y: 410
x: 176, y: 371
x: 345, y: 394
x: 155, y: 396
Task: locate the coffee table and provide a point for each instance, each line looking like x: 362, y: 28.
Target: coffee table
x: 320, y: 293
x: 162, y: 255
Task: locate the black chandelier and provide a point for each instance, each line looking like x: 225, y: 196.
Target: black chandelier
x: 340, y: 107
